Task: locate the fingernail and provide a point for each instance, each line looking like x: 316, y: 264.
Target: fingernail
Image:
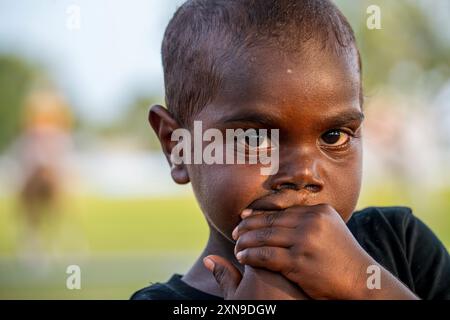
x: 246, y: 212
x: 209, y: 264
x: 239, y: 255
x: 234, y: 234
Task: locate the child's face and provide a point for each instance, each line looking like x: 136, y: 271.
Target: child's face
x: 304, y: 97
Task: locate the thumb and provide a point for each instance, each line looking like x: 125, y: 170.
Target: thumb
x: 226, y: 274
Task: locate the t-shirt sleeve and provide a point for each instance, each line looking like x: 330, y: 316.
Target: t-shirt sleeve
x: 429, y: 260
x: 157, y: 291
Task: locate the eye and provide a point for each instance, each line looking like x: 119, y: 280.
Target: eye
x: 335, y: 138
x: 254, y: 141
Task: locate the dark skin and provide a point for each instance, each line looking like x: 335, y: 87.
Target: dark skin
x: 294, y: 241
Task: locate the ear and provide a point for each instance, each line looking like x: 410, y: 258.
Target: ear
x: 164, y: 124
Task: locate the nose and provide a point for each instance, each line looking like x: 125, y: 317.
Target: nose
x: 299, y: 170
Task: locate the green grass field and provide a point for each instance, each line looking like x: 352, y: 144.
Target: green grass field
x: 123, y: 245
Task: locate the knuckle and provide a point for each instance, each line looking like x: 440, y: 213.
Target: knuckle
x: 317, y: 220
x: 295, y: 252
x: 325, y: 208
x: 292, y: 270
x: 315, y: 228
x: 264, y: 254
x: 263, y: 235
x: 310, y: 222
x: 305, y: 245
x: 270, y: 218
x: 299, y: 247
x: 308, y: 247
x: 219, y: 273
x: 292, y: 217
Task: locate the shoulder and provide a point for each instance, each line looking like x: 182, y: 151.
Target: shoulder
x: 394, y: 215
x: 396, y: 223
x: 381, y: 231
x: 406, y: 246
x: 156, y: 291
x: 376, y: 222
x: 173, y: 289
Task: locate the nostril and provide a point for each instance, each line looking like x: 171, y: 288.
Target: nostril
x: 288, y: 185
x: 313, y: 187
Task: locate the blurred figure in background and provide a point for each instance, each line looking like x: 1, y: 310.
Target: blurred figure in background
x: 44, y: 150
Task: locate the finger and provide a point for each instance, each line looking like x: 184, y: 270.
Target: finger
x: 272, y: 258
x: 266, y: 219
x: 271, y: 237
x: 252, y: 212
x: 226, y: 274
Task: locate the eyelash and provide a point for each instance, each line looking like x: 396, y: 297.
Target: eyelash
x: 351, y: 135
x: 268, y: 136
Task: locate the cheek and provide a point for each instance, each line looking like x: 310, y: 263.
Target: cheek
x: 223, y: 191
x: 346, y: 185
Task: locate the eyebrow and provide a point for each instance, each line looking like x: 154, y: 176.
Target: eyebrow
x: 345, y: 118
x: 262, y: 119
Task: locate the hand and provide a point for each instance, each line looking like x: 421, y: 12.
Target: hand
x: 311, y: 246
x: 254, y: 284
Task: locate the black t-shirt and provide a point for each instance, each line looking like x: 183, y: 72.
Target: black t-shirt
x: 393, y: 236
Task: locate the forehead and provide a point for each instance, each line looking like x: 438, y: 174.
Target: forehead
x: 310, y: 85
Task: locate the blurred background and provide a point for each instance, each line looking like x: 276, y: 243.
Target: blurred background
x: 82, y: 178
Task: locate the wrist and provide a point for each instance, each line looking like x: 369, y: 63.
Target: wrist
x: 388, y: 287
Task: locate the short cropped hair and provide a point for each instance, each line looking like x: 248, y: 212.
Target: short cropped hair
x: 204, y: 36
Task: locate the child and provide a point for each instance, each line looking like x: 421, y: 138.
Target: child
x: 290, y: 65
